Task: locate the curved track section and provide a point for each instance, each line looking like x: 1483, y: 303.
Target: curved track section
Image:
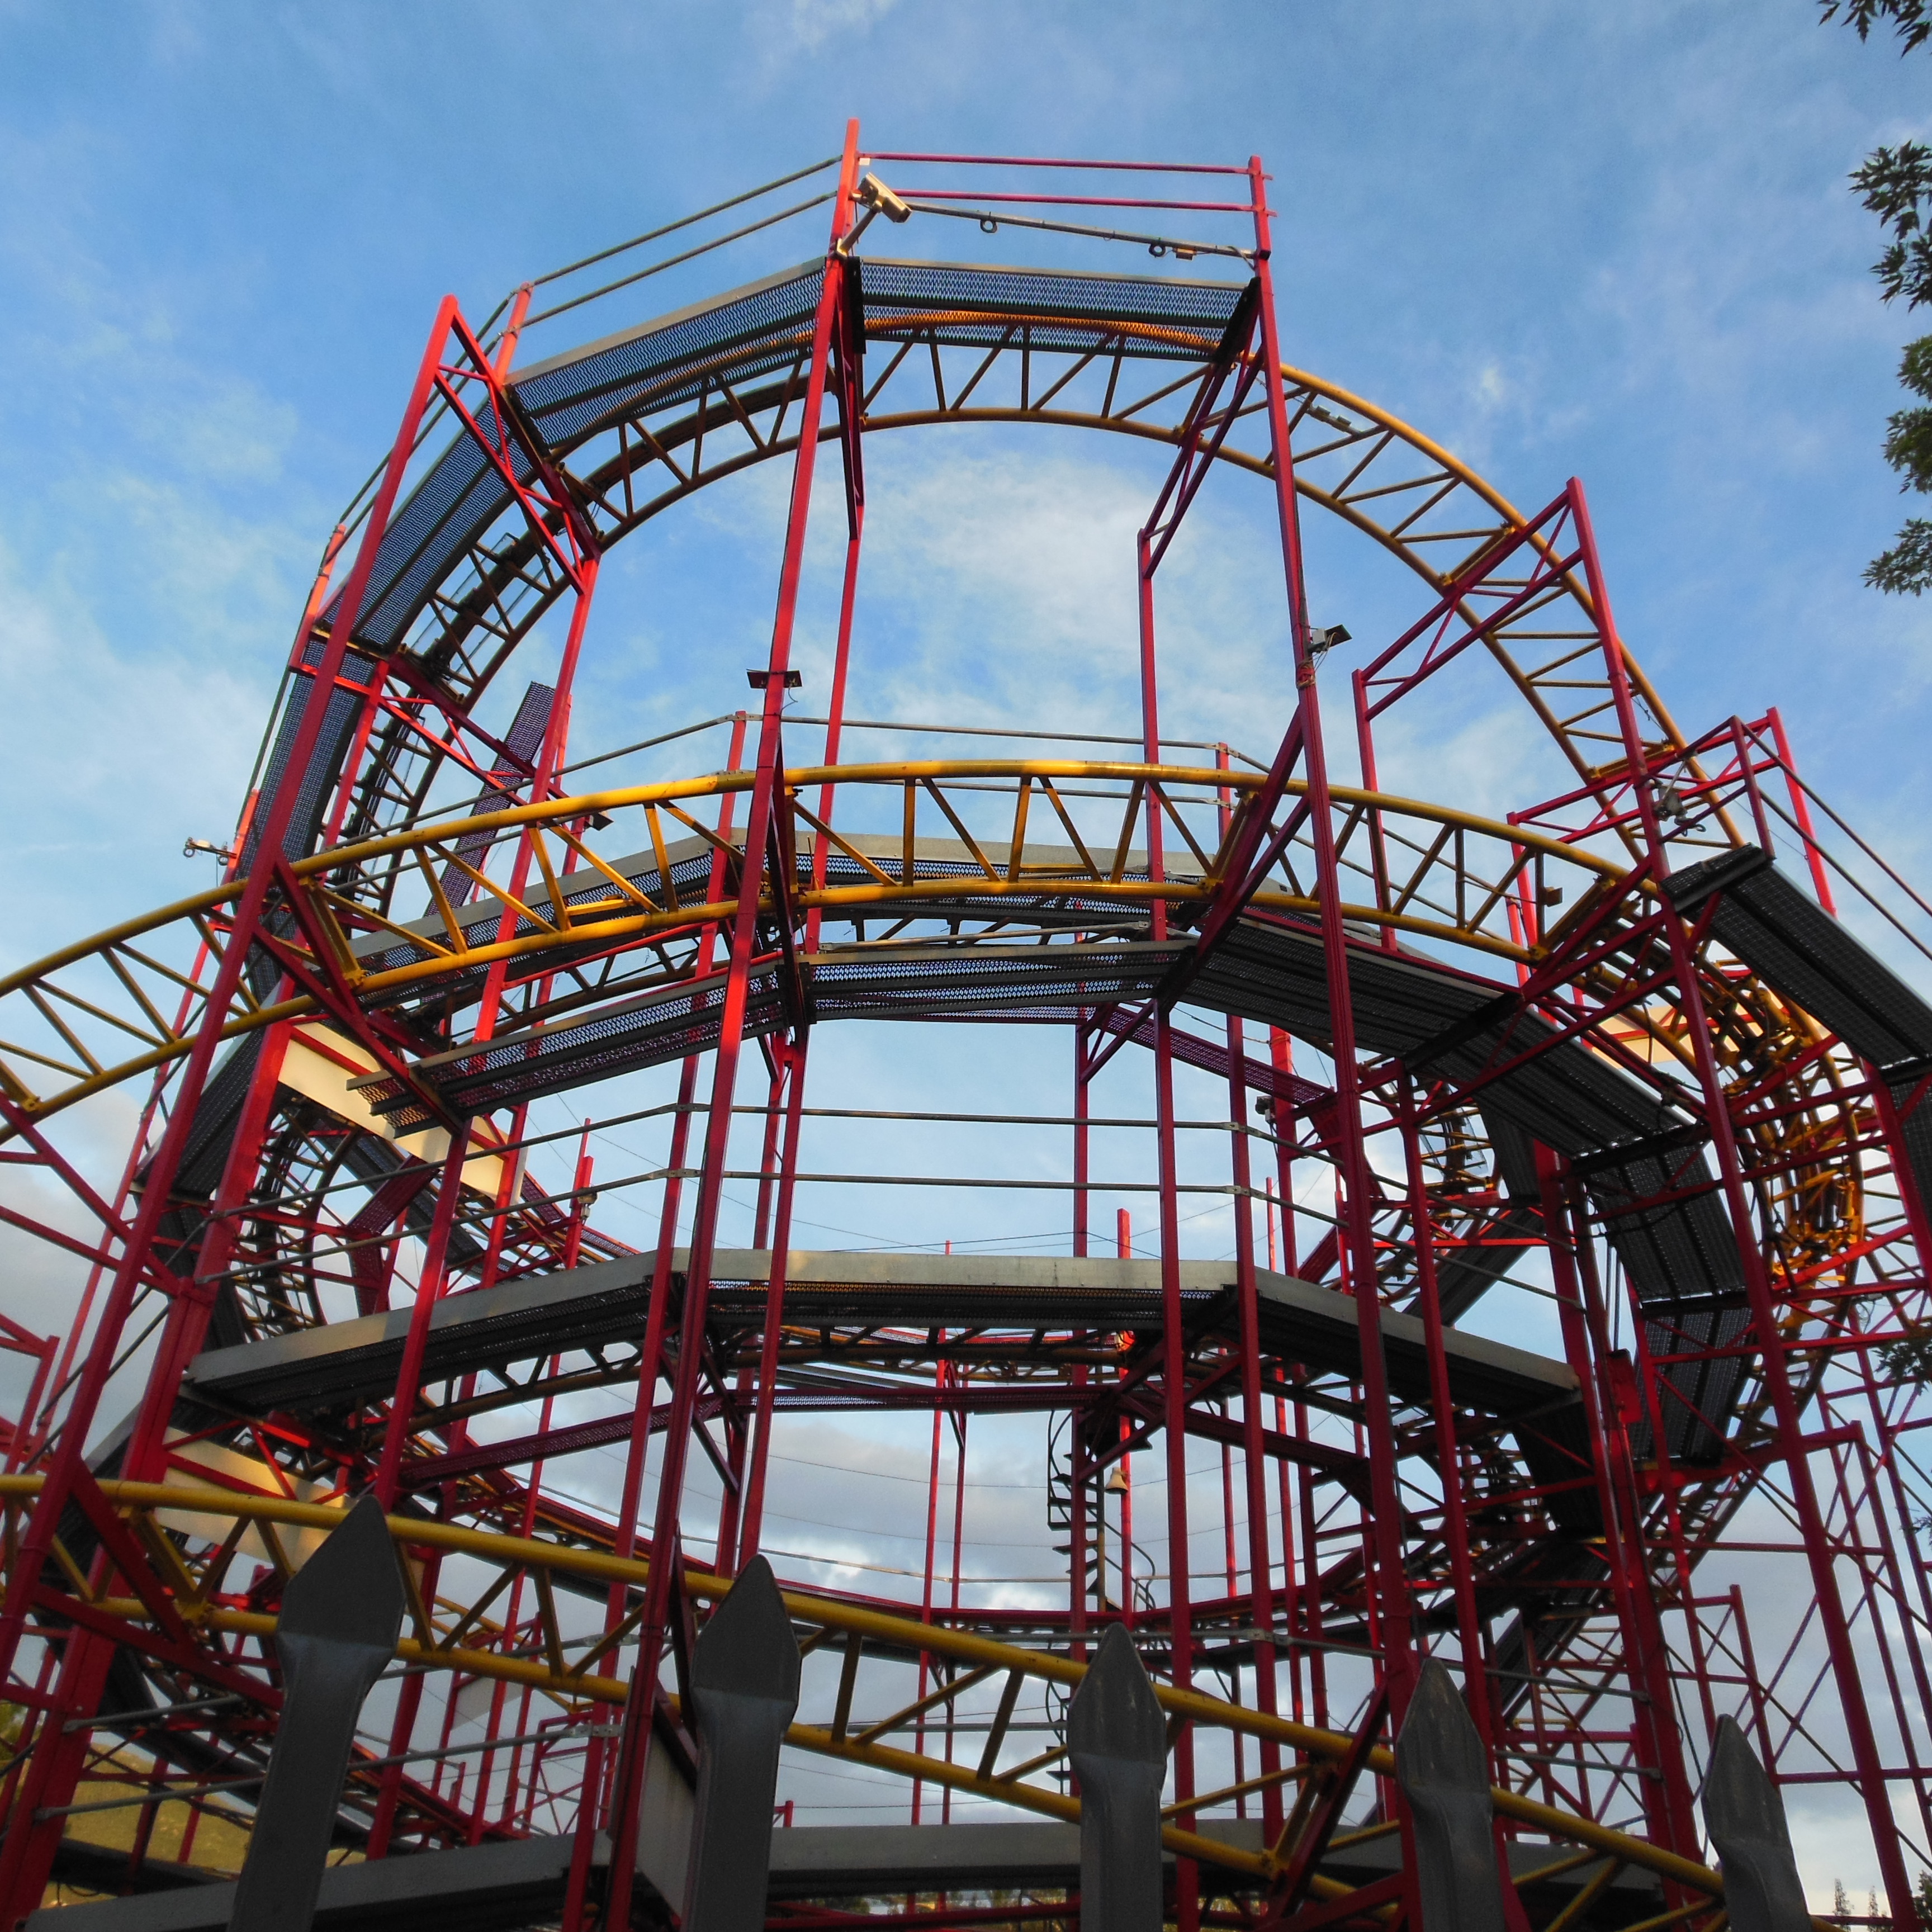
x: 1611, y: 1057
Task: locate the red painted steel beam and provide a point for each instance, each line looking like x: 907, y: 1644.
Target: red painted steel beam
x: 1203, y: 432
x: 26, y: 1857
x: 629, y: 1787
x: 1818, y: 1543
x: 1049, y: 161
x: 1385, y: 1533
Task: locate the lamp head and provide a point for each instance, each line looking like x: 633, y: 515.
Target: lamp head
x: 874, y: 194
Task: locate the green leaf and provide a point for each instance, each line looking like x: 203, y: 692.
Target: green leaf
x: 1894, y: 182
x: 1908, y: 17
x: 1907, y: 566
x: 1914, y: 367
x: 1908, y: 447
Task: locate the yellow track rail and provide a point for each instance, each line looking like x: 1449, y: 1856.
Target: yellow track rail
x: 93, y: 998
x: 140, y: 1502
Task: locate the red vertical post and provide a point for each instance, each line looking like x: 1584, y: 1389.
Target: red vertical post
x: 1290, y: 1591
x: 1079, y: 1476
x: 591, y: 1797
x: 1174, y: 1361
x: 835, y: 712
x: 931, y: 1545
x: 1254, y: 1450
x: 1082, y: 1102
x: 1281, y: 1052
x: 1455, y: 1521
x: 1385, y: 1538
x: 718, y: 1124
x: 409, y: 1703
x: 579, y: 1199
x: 359, y: 747
x: 766, y: 1392
x: 768, y: 1158
x: 794, y: 1062
x: 1123, y: 1249
x: 510, y: 1170
x: 959, y: 1535
x: 1378, y: 843
x: 187, y: 1324
x: 1801, y: 810
x: 1785, y: 1407
x: 26, y: 1856
x: 1587, y: 1344
x: 429, y: 1291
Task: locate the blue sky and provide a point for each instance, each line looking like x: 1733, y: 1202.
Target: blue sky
x: 1614, y: 242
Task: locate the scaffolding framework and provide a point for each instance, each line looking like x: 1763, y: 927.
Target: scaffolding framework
x: 1638, y: 1049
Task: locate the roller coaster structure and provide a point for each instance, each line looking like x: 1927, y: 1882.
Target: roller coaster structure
x: 1615, y: 1051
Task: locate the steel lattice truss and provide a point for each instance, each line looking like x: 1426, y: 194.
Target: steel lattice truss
x: 1616, y: 1047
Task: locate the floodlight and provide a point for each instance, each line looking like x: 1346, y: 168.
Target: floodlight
x: 874, y: 194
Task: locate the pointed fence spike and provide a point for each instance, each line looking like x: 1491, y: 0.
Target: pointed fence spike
x: 744, y: 1681
x: 351, y: 1590
x: 1745, y: 1817
x: 1117, y: 1742
x: 341, y: 1614
x: 1444, y: 1775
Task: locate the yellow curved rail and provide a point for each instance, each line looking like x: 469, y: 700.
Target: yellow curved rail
x: 140, y: 1502
x: 141, y: 985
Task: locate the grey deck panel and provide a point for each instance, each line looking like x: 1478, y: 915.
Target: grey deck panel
x: 487, y: 1887
x: 348, y: 1362
x: 1782, y: 933
x: 1798, y: 949
x: 759, y: 328
x: 481, y: 1888
x: 1266, y: 969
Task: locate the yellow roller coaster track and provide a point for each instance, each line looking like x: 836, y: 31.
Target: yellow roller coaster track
x: 1467, y: 903
x: 440, y: 1627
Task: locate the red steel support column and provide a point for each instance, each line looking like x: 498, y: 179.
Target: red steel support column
x: 931, y: 1545
x: 718, y: 1125
x: 795, y: 1062
x: 649, y: 1365
x: 1281, y: 1055
x: 23, y: 1872
x: 1082, y: 1102
x: 1477, y: 1690
x: 835, y: 712
x: 1078, y: 1475
x: 1391, y: 1589
x: 1254, y: 1452
x: 187, y: 1324
x: 416, y: 1344
x: 1174, y: 1364
x: 765, y: 1394
x: 1899, y: 1895
x: 1668, y: 1815
x: 768, y: 1156
x: 1123, y: 1244
x: 1801, y: 810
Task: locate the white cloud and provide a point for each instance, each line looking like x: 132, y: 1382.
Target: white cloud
x: 812, y: 23
x: 114, y: 757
